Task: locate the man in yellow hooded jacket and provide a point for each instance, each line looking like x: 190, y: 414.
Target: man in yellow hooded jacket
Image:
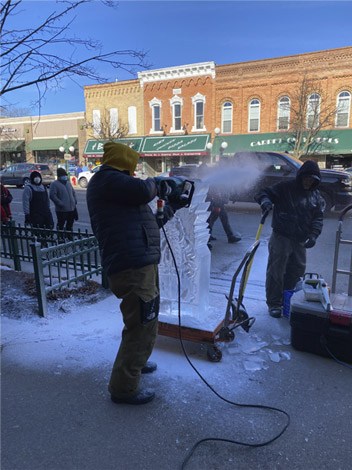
x: 128, y: 234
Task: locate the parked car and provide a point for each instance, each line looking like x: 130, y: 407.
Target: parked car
x: 335, y: 187
x: 189, y: 170
x: 85, y: 176
x: 18, y: 174
x: 71, y: 168
x: 349, y: 170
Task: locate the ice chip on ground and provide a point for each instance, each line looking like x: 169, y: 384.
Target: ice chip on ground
x: 285, y: 355
x: 253, y: 364
x: 275, y: 356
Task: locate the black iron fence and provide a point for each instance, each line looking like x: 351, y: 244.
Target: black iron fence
x: 16, y: 240
x: 59, y: 258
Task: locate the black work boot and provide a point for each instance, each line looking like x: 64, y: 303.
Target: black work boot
x: 234, y: 239
x: 138, y: 398
x: 149, y: 367
x: 275, y: 312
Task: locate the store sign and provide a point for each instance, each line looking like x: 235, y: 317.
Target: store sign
x: 175, y: 146
x: 97, y: 146
x: 291, y: 140
x: 324, y: 142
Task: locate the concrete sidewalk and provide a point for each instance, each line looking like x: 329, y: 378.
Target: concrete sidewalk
x: 57, y: 415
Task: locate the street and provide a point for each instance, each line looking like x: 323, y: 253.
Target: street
x: 244, y: 217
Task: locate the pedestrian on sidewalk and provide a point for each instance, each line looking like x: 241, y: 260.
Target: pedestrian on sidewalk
x: 129, y: 240
x: 36, y: 204
x: 218, y: 198
x: 64, y: 197
x: 297, y: 223
x: 6, y: 198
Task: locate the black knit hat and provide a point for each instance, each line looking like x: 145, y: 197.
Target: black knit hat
x: 61, y: 172
x: 33, y: 175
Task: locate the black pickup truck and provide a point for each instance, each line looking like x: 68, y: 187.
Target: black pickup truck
x: 335, y: 186
x: 272, y: 167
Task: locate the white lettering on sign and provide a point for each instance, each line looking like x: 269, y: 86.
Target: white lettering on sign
x: 289, y: 140
x: 98, y: 146
x: 175, y: 144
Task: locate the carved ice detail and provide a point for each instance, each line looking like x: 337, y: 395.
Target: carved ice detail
x: 188, y: 235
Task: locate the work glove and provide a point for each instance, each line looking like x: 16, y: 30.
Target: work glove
x: 266, y: 206
x: 310, y: 242
x: 27, y: 219
x: 162, y: 187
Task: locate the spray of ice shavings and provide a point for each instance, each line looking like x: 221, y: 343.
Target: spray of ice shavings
x: 235, y: 176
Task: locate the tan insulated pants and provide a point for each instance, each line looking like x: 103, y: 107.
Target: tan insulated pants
x: 138, y: 289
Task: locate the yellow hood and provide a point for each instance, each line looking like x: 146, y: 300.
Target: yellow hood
x: 120, y: 156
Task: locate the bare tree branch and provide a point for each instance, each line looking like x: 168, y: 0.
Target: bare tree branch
x: 310, y: 113
x: 32, y: 56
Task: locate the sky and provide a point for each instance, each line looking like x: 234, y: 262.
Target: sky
x: 184, y: 32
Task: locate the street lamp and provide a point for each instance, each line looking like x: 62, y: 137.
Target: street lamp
x: 223, y: 144
x: 209, y: 146
x: 67, y: 151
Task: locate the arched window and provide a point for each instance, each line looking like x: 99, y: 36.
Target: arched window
x: 313, y: 111
x: 343, y: 109
x: 283, y: 113
x: 176, y: 107
x: 226, y: 119
x: 254, y: 116
x: 96, y: 122
x: 155, y: 106
x: 198, y: 105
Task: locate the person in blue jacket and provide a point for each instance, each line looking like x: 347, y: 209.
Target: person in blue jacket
x: 297, y: 223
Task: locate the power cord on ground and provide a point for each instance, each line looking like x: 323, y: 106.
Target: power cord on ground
x: 243, y: 405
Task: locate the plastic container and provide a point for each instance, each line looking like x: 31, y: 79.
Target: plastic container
x: 287, y: 302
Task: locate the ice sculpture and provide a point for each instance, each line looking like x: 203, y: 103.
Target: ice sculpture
x: 188, y: 235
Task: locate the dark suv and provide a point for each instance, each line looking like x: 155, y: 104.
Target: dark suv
x: 18, y: 174
x: 272, y: 167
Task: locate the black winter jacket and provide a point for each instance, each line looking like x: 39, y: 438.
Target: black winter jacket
x: 297, y: 212
x: 125, y: 226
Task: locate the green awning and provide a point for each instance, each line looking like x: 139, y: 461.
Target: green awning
x: 95, y: 148
x: 177, y: 146
x: 334, y: 142
x: 12, y: 145
x: 52, y: 144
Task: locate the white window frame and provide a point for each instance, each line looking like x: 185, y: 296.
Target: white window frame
x: 96, y: 116
x: 347, y: 111
x: 198, y: 98
x: 113, y: 121
x: 283, y: 112
x: 254, y: 105
x: 132, y: 120
x: 313, y: 110
x: 176, y: 100
x: 153, y: 104
x: 229, y: 107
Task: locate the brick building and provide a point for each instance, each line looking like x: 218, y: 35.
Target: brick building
x: 257, y: 103
x: 113, y: 110
x: 184, y: 111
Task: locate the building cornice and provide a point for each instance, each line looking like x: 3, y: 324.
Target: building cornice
x: 181, y: 71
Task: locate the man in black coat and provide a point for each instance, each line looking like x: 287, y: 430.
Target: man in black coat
x: 297, y: 222
x: 127, y: 231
